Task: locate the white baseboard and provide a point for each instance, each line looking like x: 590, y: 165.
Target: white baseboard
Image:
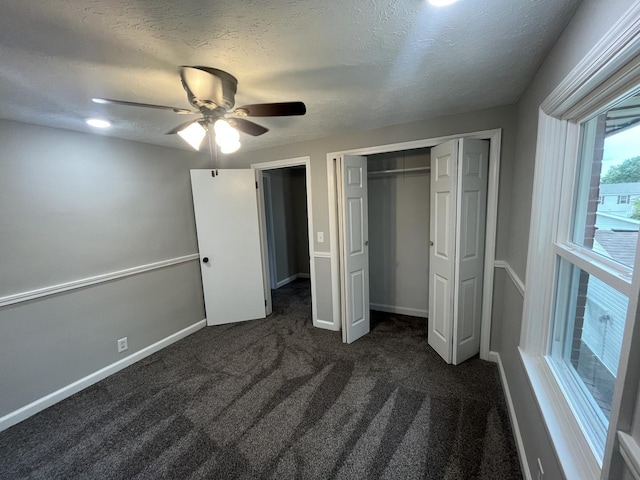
x: 413, y: 312
x: 287, y: 281
x: 495, y: 358
x: 37, y: 406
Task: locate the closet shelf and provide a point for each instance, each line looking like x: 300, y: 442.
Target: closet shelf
x: 399, y: 170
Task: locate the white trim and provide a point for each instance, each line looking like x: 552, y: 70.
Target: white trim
x: 616, y: 276
x: 630, y: 452
x: 573, y: 451
x: 37, y: 406
x: 491, y: 230
x: 522, y: 454
x: 620, y: 45
x: 412, y: 312
x: 547, y: 190
x: 332, y: 183
x: 85, y: 282
x: 294, y: 162
x: 271, y: 277
x: 519, y: 284
x: 424, y: 143
x: 321, y: 254
x: 494, y: 136
x: 275, y: 164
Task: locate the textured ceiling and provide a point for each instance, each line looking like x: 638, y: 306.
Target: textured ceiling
x: 357, y: 64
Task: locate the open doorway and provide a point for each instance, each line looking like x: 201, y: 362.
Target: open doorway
x: 286, y: 225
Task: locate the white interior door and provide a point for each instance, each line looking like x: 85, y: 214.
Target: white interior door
x: 473, y: 167
x: 442, y: 252
x: 226, y: 213
x: 354, y: 253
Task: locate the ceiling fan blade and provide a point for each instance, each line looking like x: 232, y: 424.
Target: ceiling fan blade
x: 210, y: 87
x: 247, y: 126
x: 281, y: 109
x: 109, y: 101
x: 182, y: 126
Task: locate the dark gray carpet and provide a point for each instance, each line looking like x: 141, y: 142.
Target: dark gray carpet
x: 278, y: 399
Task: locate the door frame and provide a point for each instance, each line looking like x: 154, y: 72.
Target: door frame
x: 494, y: 136
x: 259, y: 168
x: 268, y: 218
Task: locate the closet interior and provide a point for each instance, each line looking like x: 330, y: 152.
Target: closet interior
x: 398, y: 198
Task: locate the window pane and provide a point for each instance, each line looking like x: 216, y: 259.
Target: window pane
x: 607, y: 214
x: 587, y: 339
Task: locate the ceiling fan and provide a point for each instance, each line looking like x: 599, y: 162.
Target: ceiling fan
x: 212, y: 92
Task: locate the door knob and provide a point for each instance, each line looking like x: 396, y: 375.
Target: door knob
x: 366, y: 242
x: 205, y: 260
x: 431, y: 243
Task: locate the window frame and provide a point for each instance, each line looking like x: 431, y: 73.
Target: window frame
x: 609, y: 71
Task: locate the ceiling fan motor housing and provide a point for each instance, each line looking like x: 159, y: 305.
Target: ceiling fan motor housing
x: 229, y: 86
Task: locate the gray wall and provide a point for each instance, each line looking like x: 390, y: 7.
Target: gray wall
x: 289, y: 215
x: 399, y: 232
x: 591, y: 21
x: 317, y: 150
x: 75, y: 206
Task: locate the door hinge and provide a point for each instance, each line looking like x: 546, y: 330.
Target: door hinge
x: 265, y: 302
x: 256, y: 184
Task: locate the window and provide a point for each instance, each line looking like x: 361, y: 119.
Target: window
x: 595, y: 256
x: 582, y: 287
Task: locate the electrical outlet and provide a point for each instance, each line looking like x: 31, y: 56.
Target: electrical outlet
x: 540, y: 471
x: 320, y: 237
x: 122, y: 345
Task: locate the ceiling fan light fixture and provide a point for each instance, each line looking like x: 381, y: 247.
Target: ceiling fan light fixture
x: 227, y: 137
x: 441, y: 3
x: 225, y: 133
x: 98, y: 123
x: 194, y: 134
x: 230, y: 147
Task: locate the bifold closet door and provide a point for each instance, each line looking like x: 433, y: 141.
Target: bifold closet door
x: 470, y: 239
x: 442, y: 228
x: 354, y: 255
x: 458, y: 223
x: 226, y: 213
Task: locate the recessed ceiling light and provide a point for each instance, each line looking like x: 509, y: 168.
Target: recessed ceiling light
x: 441, y: 3
x: 98, y: 123
x: 100, y: 100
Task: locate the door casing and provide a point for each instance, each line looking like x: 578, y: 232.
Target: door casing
x: 494, y: 136
x: 276, y: 164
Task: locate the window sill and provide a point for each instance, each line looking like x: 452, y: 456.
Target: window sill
x: 574, y: 454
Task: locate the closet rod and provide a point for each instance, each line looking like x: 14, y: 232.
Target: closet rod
x: 400, y: 170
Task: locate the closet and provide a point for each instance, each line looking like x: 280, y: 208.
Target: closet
x: 411, y: 230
